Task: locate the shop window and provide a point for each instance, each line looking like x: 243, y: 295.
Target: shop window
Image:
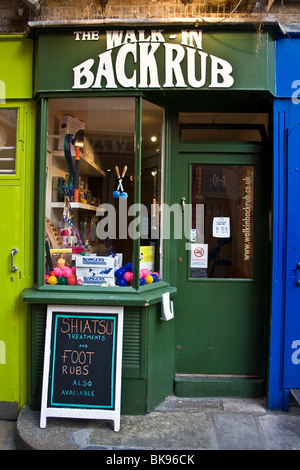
x: 93, y: 216
x: 242, y: 127
x: 8, y: 127
x: 151, y: 187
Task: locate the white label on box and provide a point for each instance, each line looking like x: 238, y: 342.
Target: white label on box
x: 94, y: 261
x: 95, y: 271
x: 92, y: 277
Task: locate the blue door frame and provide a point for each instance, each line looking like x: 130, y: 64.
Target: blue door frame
x: 284, y: 365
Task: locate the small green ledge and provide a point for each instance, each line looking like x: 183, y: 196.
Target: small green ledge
x: 77, y: 295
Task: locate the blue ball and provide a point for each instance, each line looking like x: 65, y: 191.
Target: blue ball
x: 155, y: 277
x: 129, y: 267
x: 116, y: 194
x: 121, y: 282
x: 123, y: 195
x: 142, y: 281
x: 120, y: 273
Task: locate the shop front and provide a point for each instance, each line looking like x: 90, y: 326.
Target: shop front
x: 154, y: 189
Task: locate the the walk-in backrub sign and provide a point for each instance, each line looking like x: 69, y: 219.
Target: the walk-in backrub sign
x: 185, y: 64
x: 78, y: 60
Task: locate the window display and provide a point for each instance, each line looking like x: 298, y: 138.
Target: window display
x: 93, y: 217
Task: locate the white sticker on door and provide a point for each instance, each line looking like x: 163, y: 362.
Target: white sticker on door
x: 221, y: 227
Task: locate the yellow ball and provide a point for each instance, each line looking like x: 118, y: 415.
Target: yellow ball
x: 52, y: 280
x: 149, y: 279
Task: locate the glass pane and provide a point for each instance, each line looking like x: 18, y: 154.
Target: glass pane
x: 8, y: 127
x: 222, y: 221
x: 223, y: 126
x: 151, y: 191
x: 89, y: 214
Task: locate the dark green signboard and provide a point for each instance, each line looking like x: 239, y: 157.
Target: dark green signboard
x: 82, y: 364
x: 83, y: 360
x: 153, y: 59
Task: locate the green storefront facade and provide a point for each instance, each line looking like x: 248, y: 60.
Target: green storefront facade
x: 188, y: 112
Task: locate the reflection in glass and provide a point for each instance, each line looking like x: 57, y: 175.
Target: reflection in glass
x: 151, y: 181
x: 108, y: 126
x: 222, y: 218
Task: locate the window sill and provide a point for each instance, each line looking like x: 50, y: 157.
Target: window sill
x: 146, y: 296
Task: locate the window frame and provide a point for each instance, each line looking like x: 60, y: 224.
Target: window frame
x: 20, y: 131
x: 40, y: 192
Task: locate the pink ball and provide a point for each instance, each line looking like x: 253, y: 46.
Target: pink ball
x: 128, y: 276
x: 141, y: 274
x: 79, y: 282
x: 57, y: 272
x: 145, y: 272
x: 66, y: 271
x: 73, y: 270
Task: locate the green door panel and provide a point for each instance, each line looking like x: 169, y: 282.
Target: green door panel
x: 9, y: 294
x: 221, y: 320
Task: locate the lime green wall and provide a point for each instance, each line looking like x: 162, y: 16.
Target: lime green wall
x: 16, y: 63
x: 16, y: 67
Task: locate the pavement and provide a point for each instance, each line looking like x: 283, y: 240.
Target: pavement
x: 184, y: 425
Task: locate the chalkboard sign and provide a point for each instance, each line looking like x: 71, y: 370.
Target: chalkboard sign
x: 82, y: 363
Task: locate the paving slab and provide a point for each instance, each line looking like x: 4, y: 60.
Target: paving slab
x: 281, y: 431
x: 8, y: 433
x: 172, y: 431
x: 178, y: 424
x: 237, y: 432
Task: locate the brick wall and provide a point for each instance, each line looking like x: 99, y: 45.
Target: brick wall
x: 14, y: 16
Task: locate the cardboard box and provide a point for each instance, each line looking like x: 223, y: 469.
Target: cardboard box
x: 97, y: 270
x: 94, y: 277
x: 57, y: 192
x: 100, y: 261
x: 68, y: 125
x: 147, y: 257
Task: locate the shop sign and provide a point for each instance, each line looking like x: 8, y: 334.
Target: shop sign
x: 82, y: 363
x: 152, y: 59
x: 142, y: 50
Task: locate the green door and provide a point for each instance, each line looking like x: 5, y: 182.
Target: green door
x: 9, y: 291
x: 16, y: 251
x: 222, y: 271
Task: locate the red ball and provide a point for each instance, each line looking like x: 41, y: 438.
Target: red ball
x: 71, y: 280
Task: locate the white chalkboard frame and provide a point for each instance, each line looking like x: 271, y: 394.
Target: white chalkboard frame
x: 46, y: 411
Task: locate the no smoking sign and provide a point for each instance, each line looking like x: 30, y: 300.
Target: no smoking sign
x: 199, y: 255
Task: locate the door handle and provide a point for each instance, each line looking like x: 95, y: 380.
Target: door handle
x: 182, y: 205
x: 13, y: 252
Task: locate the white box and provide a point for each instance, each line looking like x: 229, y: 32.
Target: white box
x: 94, y: 277
x: 68, y: 125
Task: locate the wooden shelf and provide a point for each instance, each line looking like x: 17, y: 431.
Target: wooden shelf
x: 86, y: 166
x: 74, y: 205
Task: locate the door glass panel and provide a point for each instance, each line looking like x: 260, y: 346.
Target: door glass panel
x: 222, y: 221
x: 8, y: 126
